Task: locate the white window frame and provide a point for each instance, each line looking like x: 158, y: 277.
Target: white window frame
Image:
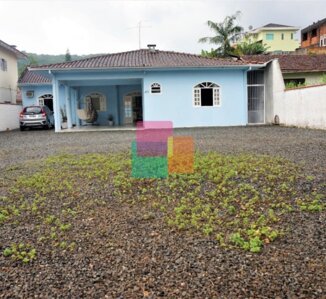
x: 217, y: 99
x: 322, y: 41
x: 155, y: 84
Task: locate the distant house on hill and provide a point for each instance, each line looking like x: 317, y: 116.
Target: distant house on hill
x: 277, y: 38
x: 313, y: 37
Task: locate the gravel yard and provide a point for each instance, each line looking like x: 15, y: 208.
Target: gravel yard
x: 128, y: 251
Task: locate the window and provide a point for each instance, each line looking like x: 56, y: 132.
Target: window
x: 156, y: 88
x: 269, y: 36
x: 282, y: 36
x: 3, y: 65
x: 291, y: 35
x: 207, y: 94
x: 314, y: 33
x: 305, y: 36
x: 97, y: 100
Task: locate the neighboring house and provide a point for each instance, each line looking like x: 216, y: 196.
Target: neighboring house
x: 9, y: 108
x: 300, y: 69
x: 313, y: 37
x: 276, y: 37
x: 8, y: 72
x: 150, y: 85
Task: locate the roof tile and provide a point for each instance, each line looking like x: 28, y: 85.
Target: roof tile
x: 292, y: 62
x: 144, y: 58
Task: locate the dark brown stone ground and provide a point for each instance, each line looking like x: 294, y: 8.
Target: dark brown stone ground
x: 127, y: 255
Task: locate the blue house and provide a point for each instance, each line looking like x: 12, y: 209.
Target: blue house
x: 148, y: 85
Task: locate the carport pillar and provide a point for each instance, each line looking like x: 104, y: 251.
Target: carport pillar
x: 75, y: 95
x: 56, y: 105
x: 68, y: 106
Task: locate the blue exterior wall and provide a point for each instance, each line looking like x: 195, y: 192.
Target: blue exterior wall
x: 39, y: 90
x: 175, y: 103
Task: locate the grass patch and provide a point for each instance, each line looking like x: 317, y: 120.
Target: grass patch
x: 241, y: 201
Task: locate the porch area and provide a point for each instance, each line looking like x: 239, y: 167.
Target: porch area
x: 97, y: 104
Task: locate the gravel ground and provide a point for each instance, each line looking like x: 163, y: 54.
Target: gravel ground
x: 147, y: 260
x: 298, y: 145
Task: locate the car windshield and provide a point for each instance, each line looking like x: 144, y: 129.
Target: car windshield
x: 34, y: 110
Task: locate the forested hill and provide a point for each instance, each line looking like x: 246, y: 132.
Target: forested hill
x: 38, y: 59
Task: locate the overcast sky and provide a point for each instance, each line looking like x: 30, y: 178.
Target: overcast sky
x: 103, y: 26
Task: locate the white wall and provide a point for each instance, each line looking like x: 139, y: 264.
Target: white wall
x: 9, y: 116
x: 300, y: 107
x: 8, y: 78
x: 304, y: 107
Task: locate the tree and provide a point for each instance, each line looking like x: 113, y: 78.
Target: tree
x: 246, y: 48
x: 67, y: 56
x: 225, y: 33
x: 209, y: 54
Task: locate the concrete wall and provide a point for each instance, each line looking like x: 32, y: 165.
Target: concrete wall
x: 301, y: 107
x: 8, y: 79
x: 274, y: 88
x: 9, y: 116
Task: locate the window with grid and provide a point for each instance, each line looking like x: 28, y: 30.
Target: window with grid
x: 206, y: 94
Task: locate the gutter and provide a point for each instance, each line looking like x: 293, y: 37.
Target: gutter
x: 149, y: 68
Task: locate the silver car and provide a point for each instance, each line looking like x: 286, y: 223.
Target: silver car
x: 36, y: 116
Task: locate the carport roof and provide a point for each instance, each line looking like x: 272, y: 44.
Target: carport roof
x: 30, y: 77
x: 144, y: 58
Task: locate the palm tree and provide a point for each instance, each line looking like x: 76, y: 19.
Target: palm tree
x: 226, y: 32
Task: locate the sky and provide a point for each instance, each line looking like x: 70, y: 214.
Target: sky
x: 104, y: 26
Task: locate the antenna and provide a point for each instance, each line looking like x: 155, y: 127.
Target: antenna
x: 139, y: 27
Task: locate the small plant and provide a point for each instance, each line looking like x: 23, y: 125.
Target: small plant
x: 323, y: 78
x: 21, y: 252
x: 293, y: 84
x: 65, y: 227
x: 111, y: 119
x: 63, y: 113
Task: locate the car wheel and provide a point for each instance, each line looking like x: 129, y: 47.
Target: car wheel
x: 47, y: 126
x: 22, y: 128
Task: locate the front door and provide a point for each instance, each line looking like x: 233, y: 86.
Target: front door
x: 128, y: 119
x: 133, y: 109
